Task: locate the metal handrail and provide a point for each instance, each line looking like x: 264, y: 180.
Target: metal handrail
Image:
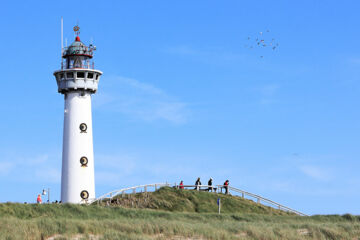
x: 259, y: 198
x: 121, y: 191
x: 194, y: 186
x: 89, y: 65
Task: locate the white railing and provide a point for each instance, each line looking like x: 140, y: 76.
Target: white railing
x: 259, y: 199
x: 87, y: 65
x: 214, y: 189
x: 130, y: 190
x: 197, y: 187
x: 265, y: 200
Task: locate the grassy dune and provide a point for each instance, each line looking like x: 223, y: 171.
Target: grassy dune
x: 167, y: 218
x: 175, y: 200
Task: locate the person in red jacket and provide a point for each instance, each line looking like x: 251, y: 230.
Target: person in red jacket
x: 38, y: 200
x: 181, y: 184
x: 226, y: 186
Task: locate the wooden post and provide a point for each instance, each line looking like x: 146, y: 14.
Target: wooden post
x: 145, y: 189
x: 242, y: 194
x: 258, y: 200
x: 155, y: 187
x: 134, y: 190
x: 219, y: 203
x: 123, y: 194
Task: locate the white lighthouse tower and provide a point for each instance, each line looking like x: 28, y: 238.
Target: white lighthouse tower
x: 77, y: 80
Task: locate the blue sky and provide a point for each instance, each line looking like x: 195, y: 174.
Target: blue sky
x: 182, y: 96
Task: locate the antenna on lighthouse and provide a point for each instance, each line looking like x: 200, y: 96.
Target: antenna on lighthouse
x: 62, y: 37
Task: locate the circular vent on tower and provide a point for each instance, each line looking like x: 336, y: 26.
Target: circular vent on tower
x: 83, y: 127
x: 84, y: 161
x: 84, y: 194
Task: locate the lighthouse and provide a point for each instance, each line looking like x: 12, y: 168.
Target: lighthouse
x: 77, y: 80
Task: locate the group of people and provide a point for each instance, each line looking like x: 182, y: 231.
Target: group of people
x: 210, y: 183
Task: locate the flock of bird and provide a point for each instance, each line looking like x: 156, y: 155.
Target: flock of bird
x: 261, y: 40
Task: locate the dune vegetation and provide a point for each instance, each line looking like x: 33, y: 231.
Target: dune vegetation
x: 169, y: 214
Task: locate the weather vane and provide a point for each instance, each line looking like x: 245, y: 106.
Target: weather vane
x: 77, y: 30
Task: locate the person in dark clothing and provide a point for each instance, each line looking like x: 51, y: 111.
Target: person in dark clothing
x: 197, y: 183
x: 226, y: 186
x: 210, y: 185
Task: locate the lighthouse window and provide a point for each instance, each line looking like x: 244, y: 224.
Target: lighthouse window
x: 80, y: 75
x: 77, y: 63
x: 84, y: 161
x: 85, y: 64
x: 70, y: 63
x: 90, y: 75
x: 97, y: 77
x: 83, y: 127
x: 84, y: 194
x: 70, y: 75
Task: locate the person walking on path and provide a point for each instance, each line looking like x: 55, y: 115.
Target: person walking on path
x: 38, y: 200
x: 181, y: 184
x: 226, y: 186
x: 197, y: 183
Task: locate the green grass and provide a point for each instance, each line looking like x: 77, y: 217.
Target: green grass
x: 171, y: 214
